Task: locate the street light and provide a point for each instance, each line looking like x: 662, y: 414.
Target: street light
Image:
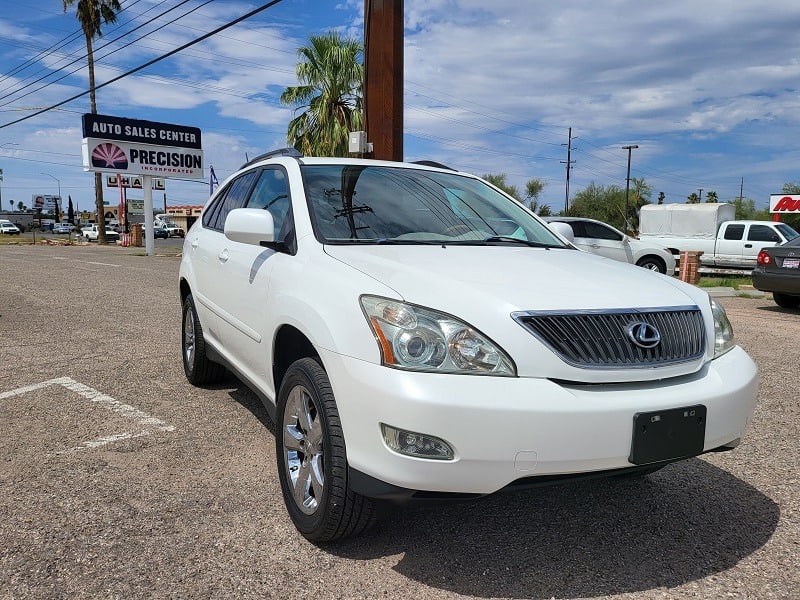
x: 59, y: 194
x: 628, y: 183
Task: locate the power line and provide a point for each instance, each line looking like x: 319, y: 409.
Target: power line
x: 151, y: 62
x: 99, y: 58
x: 60, y: 44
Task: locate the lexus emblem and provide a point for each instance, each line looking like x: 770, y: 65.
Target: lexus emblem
x: 644, y: 335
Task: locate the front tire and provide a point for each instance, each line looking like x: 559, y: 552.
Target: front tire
x: 312, y: 458
x: 652, y: 264
x: 786, y: 301
x: 198, y: 368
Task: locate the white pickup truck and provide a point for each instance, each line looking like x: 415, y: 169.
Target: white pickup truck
x: 92, y: 232
x: 712, y: 230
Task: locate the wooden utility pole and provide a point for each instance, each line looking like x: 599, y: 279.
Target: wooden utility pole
x: 383, y: 74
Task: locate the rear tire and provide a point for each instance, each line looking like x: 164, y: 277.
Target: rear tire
x: 312, y: 459
x: 198, y: 368
x: 785, y: 300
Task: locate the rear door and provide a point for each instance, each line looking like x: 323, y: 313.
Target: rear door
x: 730, y: 244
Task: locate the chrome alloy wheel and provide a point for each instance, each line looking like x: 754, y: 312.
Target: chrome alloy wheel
x: 303, y: 448
x: 188, y: 337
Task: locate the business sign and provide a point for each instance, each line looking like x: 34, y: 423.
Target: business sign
x: 118, y: 145
x: 135, y: 207
x: 783, y: 203
x: 132, y: 182
x: 45, y: 203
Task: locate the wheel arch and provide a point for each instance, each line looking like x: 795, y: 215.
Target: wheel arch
x: 290, y: 344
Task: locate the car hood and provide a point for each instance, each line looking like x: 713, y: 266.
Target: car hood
x: 484, y: 285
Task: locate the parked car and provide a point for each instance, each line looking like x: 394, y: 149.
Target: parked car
x: 62, y: 228
x: 778, y: 271
x: 409, y: 343
x: 8, y: 228
x: 603, y: 239
x: 160, y: 232
x: 173, y: 230
x: 92, y: 233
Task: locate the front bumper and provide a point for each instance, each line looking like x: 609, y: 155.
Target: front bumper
x: 505, y: 429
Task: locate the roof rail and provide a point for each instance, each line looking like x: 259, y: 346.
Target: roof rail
x: 432, y: 163
x: 293, y: 152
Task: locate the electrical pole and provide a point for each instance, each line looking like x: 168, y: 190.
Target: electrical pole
x: 701, y: 194
x: 383, y: 77
x: 569, y: 166
x: 741, y: 189
x: 628, y: 183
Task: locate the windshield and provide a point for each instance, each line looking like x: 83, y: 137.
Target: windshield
x: 787, y: 231
x: 364, y: 204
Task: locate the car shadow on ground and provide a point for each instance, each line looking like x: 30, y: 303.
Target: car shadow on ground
x: 581, y: 539
x: 574, y: 540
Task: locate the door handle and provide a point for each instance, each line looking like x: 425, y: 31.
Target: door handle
x: 748, y: 245
x: 223, y: 256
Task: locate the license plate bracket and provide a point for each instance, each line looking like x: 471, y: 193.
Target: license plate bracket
x: 668, y: 434
x: 791, y: 263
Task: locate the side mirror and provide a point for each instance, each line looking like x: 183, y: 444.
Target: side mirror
x: 564, y: 230
x: 250, y: 226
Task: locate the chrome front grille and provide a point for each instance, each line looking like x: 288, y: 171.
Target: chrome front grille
x: 602, y: 339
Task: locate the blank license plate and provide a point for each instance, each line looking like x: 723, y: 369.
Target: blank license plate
x: 668, y: 434
x: 791, y: 263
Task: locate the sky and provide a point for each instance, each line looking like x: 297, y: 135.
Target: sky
x: 709, y: 92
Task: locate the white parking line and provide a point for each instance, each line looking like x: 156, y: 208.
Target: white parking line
x: 89, y: 262
x: 104, y: 400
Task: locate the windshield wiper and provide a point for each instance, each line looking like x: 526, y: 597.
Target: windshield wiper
x: 516, y: 240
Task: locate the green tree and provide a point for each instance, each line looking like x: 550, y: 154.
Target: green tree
x: 712, y: 198
x: 607, y: 204
x: 693, y: 198
x: 661, y: 197
x: 599, y: 202
x: 91, y: 15
x: 20, y: 205
x: 331, y: 76
x: 746, y: 209
x: 533, y: 188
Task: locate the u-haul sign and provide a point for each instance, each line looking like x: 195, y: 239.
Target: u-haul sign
x: 782, y: 203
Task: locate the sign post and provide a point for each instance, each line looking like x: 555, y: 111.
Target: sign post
x: 149, y: 238
x: 144, y: 149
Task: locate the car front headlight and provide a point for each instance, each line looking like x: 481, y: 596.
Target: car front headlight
x: 421, y: 339
x: 723, y: 330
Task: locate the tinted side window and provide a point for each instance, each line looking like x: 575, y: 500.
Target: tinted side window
x: 734, y: 232
x: 210, y: 213
x: 762, y: 233
x: 597, y: 231
x: 235, y: 198
x: 272, y: 193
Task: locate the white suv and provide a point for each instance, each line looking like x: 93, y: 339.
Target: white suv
x: 414, y: 332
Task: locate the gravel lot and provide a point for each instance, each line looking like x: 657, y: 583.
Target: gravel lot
x: 120, y: 480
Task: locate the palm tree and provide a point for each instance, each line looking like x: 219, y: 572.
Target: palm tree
x: 331, y: 76
x: 91, y: 15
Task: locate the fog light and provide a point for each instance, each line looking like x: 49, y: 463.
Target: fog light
x: 420, y: 445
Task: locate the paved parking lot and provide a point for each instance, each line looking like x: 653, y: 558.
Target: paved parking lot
x: 120, y: 480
